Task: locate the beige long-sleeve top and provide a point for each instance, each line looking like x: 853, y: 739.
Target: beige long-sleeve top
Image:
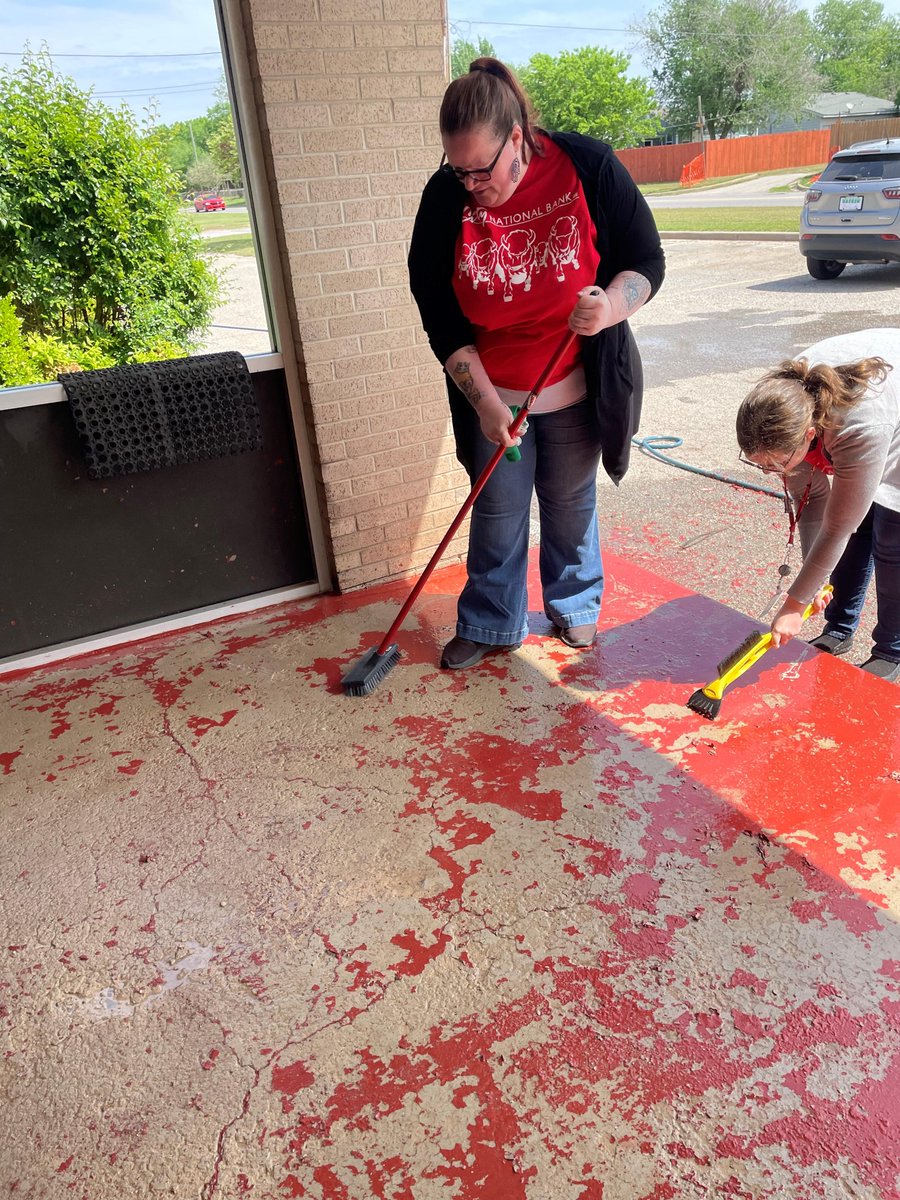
x: 865, y: 452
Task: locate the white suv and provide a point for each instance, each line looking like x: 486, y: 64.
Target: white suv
x: 852, y: 211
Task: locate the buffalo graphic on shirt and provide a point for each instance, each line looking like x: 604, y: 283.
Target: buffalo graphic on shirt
x: 517, y: 257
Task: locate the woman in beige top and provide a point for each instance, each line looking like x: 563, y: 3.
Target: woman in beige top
x: 829, y: 422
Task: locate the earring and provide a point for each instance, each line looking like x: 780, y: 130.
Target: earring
x: 515, y: 169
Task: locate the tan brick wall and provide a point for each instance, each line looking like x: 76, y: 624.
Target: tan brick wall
x: 348, y: 94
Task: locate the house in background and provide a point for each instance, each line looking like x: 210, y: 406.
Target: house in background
x: 827, y: 108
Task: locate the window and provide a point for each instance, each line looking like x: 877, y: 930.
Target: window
x: 147, y: 88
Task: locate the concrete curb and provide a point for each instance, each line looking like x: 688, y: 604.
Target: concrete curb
x: 739, y: 236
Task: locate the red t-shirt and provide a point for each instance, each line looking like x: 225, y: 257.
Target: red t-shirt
x: 520, y: 267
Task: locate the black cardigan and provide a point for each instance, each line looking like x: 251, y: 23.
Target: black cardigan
x: 627, y: 240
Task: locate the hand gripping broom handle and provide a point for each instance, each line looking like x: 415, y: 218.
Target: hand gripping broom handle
x: 482, y: 479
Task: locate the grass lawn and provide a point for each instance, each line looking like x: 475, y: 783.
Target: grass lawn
x: 728, y: 220
x: 241, y: 243
x: 803, y: 182
x: 219, y: 220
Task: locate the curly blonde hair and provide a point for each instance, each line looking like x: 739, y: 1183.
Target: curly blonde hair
x: 796, y: 396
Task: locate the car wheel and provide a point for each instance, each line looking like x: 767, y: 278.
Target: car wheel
x: 821, y: 268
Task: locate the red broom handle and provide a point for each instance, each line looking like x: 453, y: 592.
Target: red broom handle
x: 482, y: 479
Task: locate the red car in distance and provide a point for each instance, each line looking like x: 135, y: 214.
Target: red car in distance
x: 209, y: 202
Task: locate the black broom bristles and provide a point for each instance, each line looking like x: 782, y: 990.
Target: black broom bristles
x: 366, y: 675
x: 736, y: 655
x: 706, y: 706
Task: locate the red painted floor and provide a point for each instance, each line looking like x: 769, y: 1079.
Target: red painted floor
x: 534, y: 930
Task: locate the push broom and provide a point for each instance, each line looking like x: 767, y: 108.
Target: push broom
x: 376, y: 663
x: 708, y: 700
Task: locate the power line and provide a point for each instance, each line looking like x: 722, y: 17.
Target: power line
x: 523, y: 25
x: 195, y: 54
x: 165, y: 90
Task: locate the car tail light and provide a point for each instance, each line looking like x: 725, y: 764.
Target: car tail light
x: 812, y: 195
x: 890, y: 237
x: 891, y: 193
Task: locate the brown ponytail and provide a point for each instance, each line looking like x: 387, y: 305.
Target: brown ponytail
x: 796, y: 396
x: 489, y: 95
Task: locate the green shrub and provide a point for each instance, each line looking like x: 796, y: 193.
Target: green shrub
x: 38, y: 358
x: 15, y: 364
x: 50, y: 357
x: 94, y: 253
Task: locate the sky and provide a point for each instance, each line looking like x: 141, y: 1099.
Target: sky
x: 169, y: 49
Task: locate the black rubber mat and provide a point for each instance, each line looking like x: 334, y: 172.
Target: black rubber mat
x: 143, y: 416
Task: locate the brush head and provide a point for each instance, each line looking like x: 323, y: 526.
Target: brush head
x: 706, y: 706
x: 738, y: 653
x: 366, y: 675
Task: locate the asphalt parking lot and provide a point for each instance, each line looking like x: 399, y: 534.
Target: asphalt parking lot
x: 727, y: 311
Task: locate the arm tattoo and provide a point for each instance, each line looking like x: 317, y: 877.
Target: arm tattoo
x: 635, y: 291
x: 462, y: 377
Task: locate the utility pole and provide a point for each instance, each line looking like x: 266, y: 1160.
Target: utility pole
x: 701, y: 127
x: 193, y: 143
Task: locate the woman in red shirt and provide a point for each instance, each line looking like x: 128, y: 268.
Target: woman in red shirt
x: 520, y: 235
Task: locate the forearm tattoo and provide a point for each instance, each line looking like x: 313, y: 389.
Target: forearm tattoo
x: 462, y: 377
x: 635, y: 291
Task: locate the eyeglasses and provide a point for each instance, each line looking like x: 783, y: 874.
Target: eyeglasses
x: 778, y: 468
x: 479, y: 174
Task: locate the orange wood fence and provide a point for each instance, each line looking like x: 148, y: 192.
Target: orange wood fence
x: 657, y: 164
x: 741, y: 156
x: 845, y: 133
x: 730, y: 156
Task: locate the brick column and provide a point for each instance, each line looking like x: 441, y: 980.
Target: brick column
x: 348, y: 94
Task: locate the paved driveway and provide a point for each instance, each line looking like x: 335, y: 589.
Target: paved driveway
x: 750, y: 193
x: 726, y: 313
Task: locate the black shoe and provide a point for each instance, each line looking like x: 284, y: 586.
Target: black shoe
x: 460, y: 653
x: 884, y: 668
x: 579, y: 637
x: 833, y: 643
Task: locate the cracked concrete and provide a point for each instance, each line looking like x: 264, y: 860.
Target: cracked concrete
x: 537, y: 930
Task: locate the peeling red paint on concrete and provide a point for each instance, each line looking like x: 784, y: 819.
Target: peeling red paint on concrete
x: 532, y: 931
x: 200, y: 726
x: 7, y: 759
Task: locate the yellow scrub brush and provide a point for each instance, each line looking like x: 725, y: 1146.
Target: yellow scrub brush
x: 708, y: 700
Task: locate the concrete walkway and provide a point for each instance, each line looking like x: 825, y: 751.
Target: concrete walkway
x: 530, y: 931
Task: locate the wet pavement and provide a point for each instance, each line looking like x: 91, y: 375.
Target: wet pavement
x: 534, y: 930
x: 727, y: 312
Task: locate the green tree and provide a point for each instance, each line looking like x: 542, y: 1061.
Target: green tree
x: 204, y: 174
x: 463, y: 52
x: 857, y: 47
x: 94, y: 250
x: 586, y: 91
x: 186, y: 143
x: 748, y: 61
x: 223, y: 150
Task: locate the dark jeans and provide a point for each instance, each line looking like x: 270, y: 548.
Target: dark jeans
x: 874, y: 547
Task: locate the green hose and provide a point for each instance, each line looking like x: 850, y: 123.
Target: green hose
x: 656, y: 443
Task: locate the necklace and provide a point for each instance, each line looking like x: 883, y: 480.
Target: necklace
x: 793, y: 517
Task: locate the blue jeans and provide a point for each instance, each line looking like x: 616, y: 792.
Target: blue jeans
x: 874, y: 547
x: 560, y: 457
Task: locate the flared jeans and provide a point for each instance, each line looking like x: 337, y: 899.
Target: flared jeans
x: 560, y: 456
